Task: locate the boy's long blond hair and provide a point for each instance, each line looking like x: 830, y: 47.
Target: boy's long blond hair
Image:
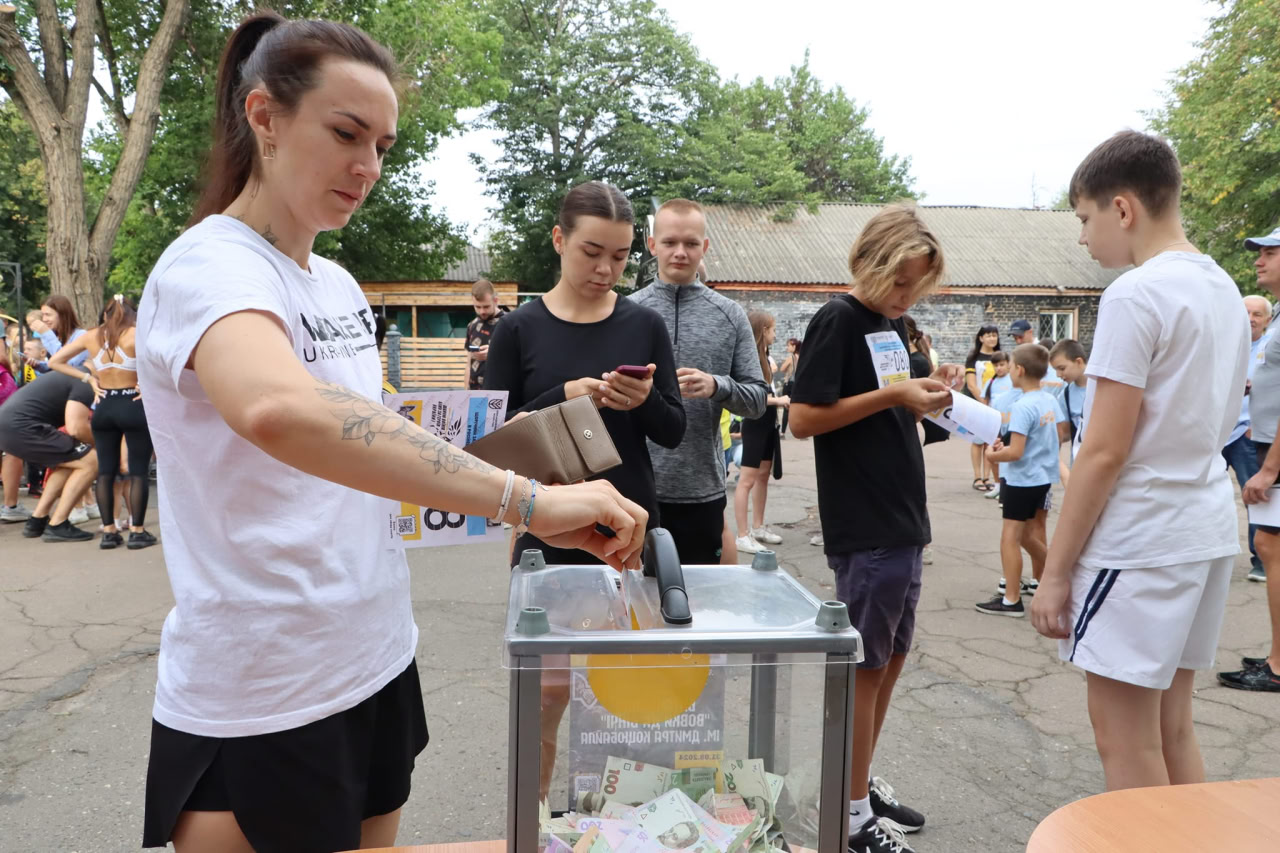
x: 892, y: 237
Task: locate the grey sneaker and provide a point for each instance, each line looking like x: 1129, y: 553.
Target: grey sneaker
x: 1257, y: 574
x: 13, y: 514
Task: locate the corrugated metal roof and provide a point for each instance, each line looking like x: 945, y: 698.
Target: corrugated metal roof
x: 983, y: 246
x: 475, y: 264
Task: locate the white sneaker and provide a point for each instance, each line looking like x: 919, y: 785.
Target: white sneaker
x: 927, y: 556
x: 92, y: 511
x: 767, y: 536
x: 747, y: 545
x: 816, y: 541
x: 79, y: 515
x: 994, y: 493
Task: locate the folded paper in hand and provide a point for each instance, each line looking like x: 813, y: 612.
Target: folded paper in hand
x: 1267, y: 514
x: 561, y: 444
x: 968, y: 418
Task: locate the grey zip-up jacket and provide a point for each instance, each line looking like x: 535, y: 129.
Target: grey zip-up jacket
x: 709, y: 332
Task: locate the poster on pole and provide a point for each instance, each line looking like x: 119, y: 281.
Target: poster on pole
x: 458, y: 417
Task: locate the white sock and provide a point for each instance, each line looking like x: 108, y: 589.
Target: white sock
x: 859, y: 812
x: 1009, y: 603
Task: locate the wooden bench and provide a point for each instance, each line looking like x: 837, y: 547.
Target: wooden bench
x: 432, y: 364
x: 1173, y: 819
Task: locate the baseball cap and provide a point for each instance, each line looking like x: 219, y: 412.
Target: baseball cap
x: 1019, y: 327
x: 1253, y: 244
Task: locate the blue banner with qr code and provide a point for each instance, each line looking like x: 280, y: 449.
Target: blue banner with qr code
x: 458, y: 417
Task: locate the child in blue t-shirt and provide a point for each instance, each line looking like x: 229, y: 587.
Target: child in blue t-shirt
x: 997, y: 388
x: 1030, y: 461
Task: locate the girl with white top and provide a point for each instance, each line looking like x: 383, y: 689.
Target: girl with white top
x: 288, y: 712
x: 118, y: 418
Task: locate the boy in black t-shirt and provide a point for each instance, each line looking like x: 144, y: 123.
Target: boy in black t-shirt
x: 853, y: 392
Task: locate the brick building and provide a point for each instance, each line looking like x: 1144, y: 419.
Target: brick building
x: 1002, y: 265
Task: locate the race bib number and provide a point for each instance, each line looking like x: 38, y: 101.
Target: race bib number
x: 889, y: 358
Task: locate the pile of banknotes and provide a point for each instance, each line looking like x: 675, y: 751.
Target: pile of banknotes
x: 644, y: 808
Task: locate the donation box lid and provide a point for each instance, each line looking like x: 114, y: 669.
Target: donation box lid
x: 735, y: 609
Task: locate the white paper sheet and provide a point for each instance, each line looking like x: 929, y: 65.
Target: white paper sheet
x: 1267, y: 514
x: 968, y: 418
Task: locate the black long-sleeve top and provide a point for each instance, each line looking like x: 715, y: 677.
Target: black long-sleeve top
x: 533, y: 354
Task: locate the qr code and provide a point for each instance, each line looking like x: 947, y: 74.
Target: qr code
x: 406, y: 525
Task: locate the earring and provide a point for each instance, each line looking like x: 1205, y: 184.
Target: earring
x: 269, y: 151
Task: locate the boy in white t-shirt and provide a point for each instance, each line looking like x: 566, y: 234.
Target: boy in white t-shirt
x: 1147, y: 535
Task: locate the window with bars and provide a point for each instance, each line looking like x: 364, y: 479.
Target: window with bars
x: 1057, y: 325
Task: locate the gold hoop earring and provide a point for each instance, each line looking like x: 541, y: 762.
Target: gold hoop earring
x: 268, y: 151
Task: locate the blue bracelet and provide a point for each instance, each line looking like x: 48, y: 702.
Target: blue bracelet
x: 533, y: 496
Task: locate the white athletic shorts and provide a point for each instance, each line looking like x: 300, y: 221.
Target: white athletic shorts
x: 1141, y: 625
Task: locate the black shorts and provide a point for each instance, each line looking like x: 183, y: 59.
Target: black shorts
x: 303, y: 789
x: 760, y: 440
x: 881, y: 587
x: 1021, y: 503
x: 41, y: 445
x: 696, y: 529
x: 1263, y: 450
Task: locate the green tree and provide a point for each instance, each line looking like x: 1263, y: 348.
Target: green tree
x: 51, y: 59
x: 23, y: 205
x: 793, y: 141
x: 599, y: 90
x: 448, y: 54
x: 1223, y: 119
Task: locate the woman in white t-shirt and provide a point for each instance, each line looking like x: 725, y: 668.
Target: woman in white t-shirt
x: 288, y: 712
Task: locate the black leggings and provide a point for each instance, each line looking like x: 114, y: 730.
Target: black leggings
x: 120, y: 415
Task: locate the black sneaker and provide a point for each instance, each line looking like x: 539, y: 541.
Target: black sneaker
x: 65, y: 532
x: 1252, y: 663
x: 1025, y: 587
x: 885, y: 804
x: 1259, y: 678
x: 111, y: 540
x: 879, y: 835
x: 997, y: 607
x: 140, y: 539
x: 34, y: 528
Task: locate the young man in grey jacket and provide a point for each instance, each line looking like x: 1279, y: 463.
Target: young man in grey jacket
x: 718, y: 368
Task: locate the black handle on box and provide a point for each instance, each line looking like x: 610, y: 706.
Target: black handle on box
x: 662, y: 560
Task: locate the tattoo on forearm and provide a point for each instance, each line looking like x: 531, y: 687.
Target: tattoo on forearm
x: 367, y: 421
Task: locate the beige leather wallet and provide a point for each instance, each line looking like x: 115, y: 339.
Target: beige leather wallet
x: 558, y: 445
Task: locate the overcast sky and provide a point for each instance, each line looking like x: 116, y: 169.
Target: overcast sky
x: 989, y: 98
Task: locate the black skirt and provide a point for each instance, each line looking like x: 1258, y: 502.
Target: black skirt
x: 760, y: 439
x: 305, y: 789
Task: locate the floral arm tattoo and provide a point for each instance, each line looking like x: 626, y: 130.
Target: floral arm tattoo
x: 367, y: 421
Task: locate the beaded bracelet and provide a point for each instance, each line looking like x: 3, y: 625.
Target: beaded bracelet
x: 528, y: 516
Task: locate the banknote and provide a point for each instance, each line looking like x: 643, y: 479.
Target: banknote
x: 634, y: 782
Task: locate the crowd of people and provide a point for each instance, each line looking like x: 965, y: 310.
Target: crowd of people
x: 281, y: 721
x: 64, y: 427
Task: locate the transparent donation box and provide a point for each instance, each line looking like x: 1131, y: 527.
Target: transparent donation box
x: 698, y: 708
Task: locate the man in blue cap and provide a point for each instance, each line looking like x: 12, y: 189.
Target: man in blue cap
x: 1021, y: 332
x: 1264, y: 410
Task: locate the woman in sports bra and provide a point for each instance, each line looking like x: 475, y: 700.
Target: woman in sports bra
x: 118, y: 415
